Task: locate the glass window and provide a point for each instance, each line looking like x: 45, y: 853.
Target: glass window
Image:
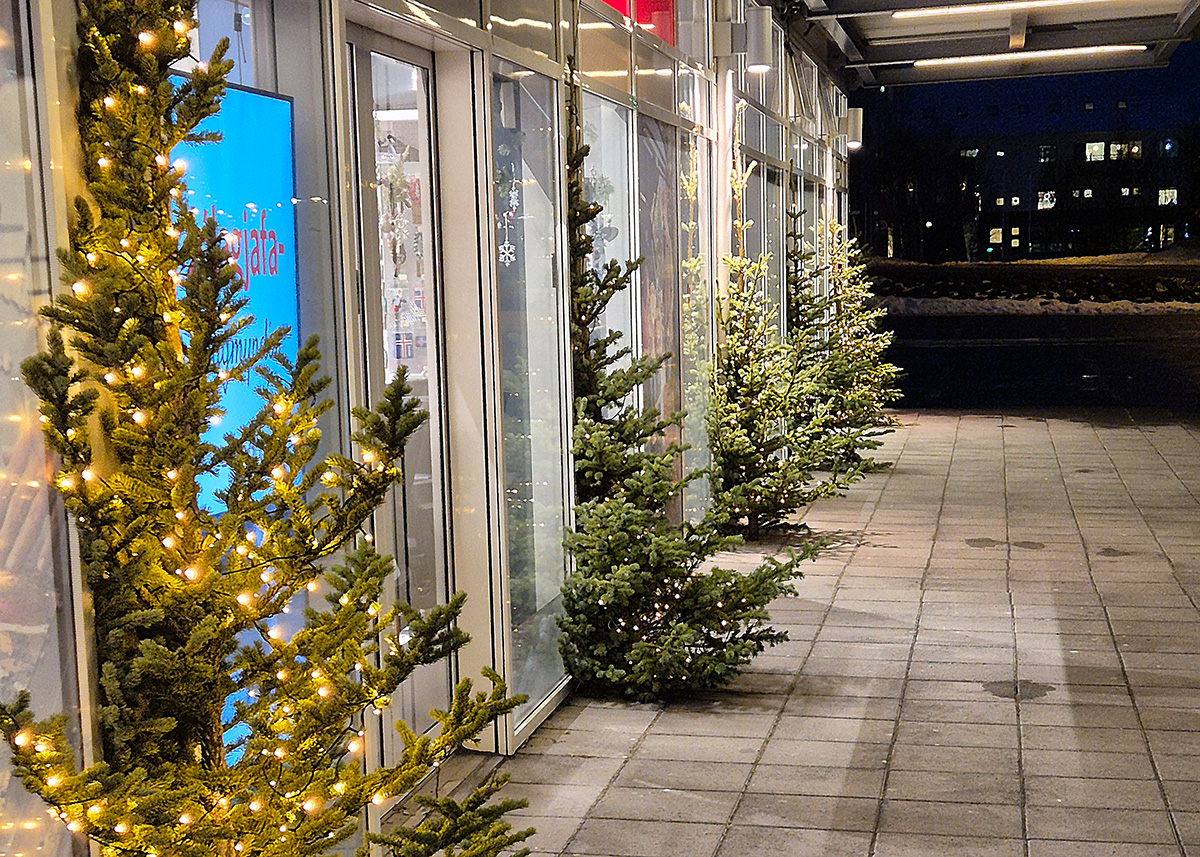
x: 466, y: 11
x: 248, y: 25
x: 607, y: 181
x: 603, y: 50
x: 697, y: 311
x: 655, y: 76
x: 529, y: 23
x: 692, y: 28
x: 398, y: 216
x: 1093, y: 151
x: 773, y: 228
x: 621, y: 6
x: 1168, y: 196
x: 36, y: 648
x: 1047, y: 199
x: 1047, y: 154
x: 532, y: 427
x: 693, y: 95
x: 995, y: 236
x: 1130, y: 150
x: 658, y: 198
x: 658, y: 17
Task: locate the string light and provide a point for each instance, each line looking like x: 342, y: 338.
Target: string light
x: 354, y: 745
x: 120, y: 828
x: 79, y: 287
x: 312, y: 805
x: 140, y: 417
x: 172, y: 475
x: 22, y: 738
x: 244, y: 598
x: 111, y: 378
x: 181, y: 27
x: 278, y: 472
x: 103, y: 163
x: 256, y: 805
x: 146, y: 38
x: 54, y: 780
x: 378, y: 798
x: 312, y: 585
x: 185, y: 818
x: 110, y: 102
x: 88, y: 474
x: 138, y: 372
x: 191, y: 573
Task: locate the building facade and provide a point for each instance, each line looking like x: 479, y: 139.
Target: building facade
x: 392, y: 178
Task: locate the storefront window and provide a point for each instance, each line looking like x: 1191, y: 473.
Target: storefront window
x: 696, y: 313
x: 655, y: 76
x: 773, y: 227
x: 607, y: 181
x: 36, y: 648
x: 658, y: 204
x: 533, y: 435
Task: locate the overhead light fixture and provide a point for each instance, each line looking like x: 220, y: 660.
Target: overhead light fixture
x: 758, y: 38
x: 852, y: 127
x: 753, y: 37
x: 993, y: 8
x: 1022, y: 56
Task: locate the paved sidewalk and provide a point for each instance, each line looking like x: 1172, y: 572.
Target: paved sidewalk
x: 1001, y: 656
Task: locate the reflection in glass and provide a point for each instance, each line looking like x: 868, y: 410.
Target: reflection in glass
x: 36, y: 651
x: 696, y: 314
x: 529, y: 23
x: 655, y: 75
x: 247, y: 24
x: 607, y: 181
x: 526, y: 189
x: 773, y: 228
x: 603, y: 50
x: 657, y: 16
x: 407, y: 286
x: 658, y: 198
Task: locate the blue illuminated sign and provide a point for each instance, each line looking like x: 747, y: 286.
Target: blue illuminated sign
x: 246, y: 182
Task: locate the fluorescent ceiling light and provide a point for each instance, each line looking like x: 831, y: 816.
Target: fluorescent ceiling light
x: 404, y: 114
x: 1021, y: 56
x: 990, y: 8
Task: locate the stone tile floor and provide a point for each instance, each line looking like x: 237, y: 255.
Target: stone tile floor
x: 1000, y: 655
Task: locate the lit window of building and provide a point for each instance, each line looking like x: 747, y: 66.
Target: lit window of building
x: 969, y: 153
x: 1047, y: 199
x: 1168, y: 196
x: 1130, y: 150
x: 1093, y: 151
x: 999, y: 200
x: 1047, y: 154
x: 996, y: 236
x: 1016, y: 200
x: 1087, y: 193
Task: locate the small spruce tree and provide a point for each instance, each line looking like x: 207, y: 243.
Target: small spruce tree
x: 641, y: 616
x: 223, y: 727
x: 763, y: 459
x: 836, y: 330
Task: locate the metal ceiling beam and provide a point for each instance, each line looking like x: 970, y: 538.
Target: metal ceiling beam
x: 903, y: 75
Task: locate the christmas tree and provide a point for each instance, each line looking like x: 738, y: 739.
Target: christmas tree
x: 224, y: 727
x: 835, y: 329
x: 641, y: 617
x: 764, y: 459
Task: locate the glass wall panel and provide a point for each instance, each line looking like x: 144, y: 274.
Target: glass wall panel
x: 657, y: 16
x: 658, y: 198
x: 753, y: 210
x: 773, y: 229
x: 249, y: 27
x: 607, y: 181
x: 532, y: 429
x: 604, y: 51
x: 402, y: 220
x: 36, y: 648
x: 692, y: 28
x: 697, y: 310
x: 466, y: 11
x: 655, y: 76
x: 693, y: 95
x: 529, y: 23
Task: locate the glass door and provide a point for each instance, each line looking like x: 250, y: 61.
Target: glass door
x: 401, y: 325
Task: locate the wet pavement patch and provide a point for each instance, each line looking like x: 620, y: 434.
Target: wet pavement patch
x: 1030, y: 546
x: 1021, y: 689
x: 983, y: 543
x: 1115, y: 552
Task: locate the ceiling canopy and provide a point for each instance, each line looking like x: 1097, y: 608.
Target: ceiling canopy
x: 886, y: 42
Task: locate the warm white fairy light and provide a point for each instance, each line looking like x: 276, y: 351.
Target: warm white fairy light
x: 378, y: 798
x: 111, y: 378
x: 140, y: 417
x: 275, y: 633
x: 74, y: 826
x: 192, y: 573
x: 110, y: 102
x: 244, y: 598
x: 138, y: 372
x: 242, y: 550
x: 181, y: 27
x: 185, y: 818
x: 354, y: 744
x: 278, y: 472
x: 146, y: 38
x: 312, y: 805
x: 282, y: 675
x: 88, y: 474
x: 54, y: 780
x: 120, y: 828
x: 103, y: 163
x: 256, y: 805
x: 79, y: 287
x: 324, y: 691
x: 21, y: 739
